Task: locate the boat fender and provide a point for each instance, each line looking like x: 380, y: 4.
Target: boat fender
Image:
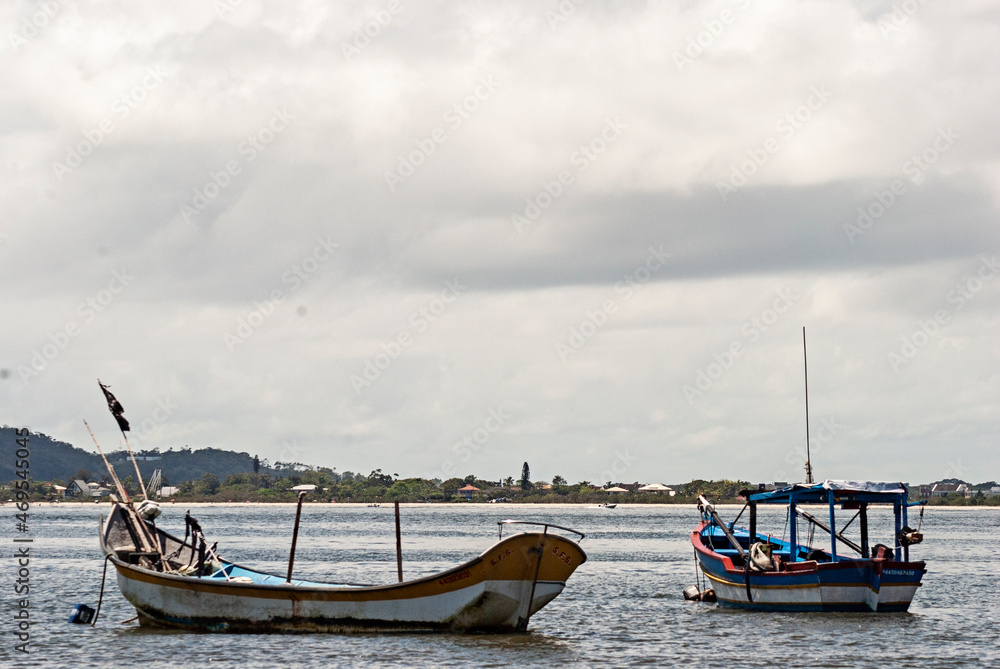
x: 148, y: 510
x: 760, y: 557
x: 692, y: 594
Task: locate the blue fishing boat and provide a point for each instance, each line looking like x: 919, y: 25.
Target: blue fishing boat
x: 751, y: 569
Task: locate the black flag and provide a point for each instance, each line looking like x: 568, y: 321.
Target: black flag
x: 115, y: 406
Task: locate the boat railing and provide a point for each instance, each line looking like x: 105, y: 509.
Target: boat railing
x: 501, y: 523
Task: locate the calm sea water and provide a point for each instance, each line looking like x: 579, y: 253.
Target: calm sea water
x: 622, y: 607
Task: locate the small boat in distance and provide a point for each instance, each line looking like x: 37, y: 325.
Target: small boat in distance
x: 750, y: 569
x: 185, y: 584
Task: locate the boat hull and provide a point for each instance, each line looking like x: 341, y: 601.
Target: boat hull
x: 497, y: 591
x: 881, y: 586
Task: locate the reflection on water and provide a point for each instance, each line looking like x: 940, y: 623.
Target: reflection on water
x: 623, y: 606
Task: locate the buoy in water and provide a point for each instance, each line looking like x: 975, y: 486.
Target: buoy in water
x: 81, y: 614
x: 693, y: 594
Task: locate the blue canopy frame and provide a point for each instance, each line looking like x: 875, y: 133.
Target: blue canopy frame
x: 832, y: 493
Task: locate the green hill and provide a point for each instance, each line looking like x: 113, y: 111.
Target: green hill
x: 52, y: 459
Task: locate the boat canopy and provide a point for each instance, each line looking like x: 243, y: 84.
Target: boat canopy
x: 872, y: 492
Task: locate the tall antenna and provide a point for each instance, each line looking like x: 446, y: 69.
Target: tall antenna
x: 805, y: 365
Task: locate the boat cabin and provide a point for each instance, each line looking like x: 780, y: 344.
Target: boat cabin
x: 838, y: 496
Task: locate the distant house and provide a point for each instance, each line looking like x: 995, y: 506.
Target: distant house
x: 305, y: 487
x: 168, y: 490
x: 60, y: 489
x: 77, y: 488
x: 616, y: 490
x: 658, y: 488
x: 945, y: 489
x: 467, y: 491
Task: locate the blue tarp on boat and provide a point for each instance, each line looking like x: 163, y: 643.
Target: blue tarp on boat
x: 867, y: 491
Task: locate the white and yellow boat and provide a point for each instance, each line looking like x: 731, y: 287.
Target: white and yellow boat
x: 184, y: 584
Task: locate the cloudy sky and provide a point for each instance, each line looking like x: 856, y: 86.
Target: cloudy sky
x: 443, y: 238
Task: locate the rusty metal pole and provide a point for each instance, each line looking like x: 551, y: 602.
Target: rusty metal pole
x: 295, y: 536
x: 399, y: 547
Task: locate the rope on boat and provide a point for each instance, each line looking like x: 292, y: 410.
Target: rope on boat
x: 738, y: 516
x: 222, y: 566
x: 746, y: 579
x: 101, y: 598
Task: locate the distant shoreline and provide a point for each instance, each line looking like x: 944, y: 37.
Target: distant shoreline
x: 166, y: 504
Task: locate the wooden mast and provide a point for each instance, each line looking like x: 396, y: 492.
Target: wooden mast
x: 147, y: 542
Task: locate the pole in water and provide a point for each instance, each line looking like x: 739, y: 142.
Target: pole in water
x: 805, y: 366
x: 399, y: 547
x: 295, y: 536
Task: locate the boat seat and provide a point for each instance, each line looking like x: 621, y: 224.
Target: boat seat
x: 800, y: 566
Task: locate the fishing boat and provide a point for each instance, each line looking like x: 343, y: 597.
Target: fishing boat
x: 751, y: 569
x: 186, y: 584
